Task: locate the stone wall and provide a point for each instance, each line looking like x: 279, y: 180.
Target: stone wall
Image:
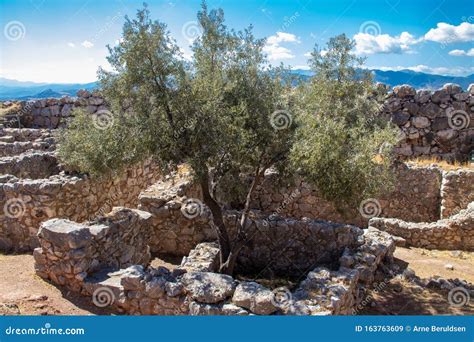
x: 434, y: 124
x: 415, y: 197
x: 32, y: 165
x: 171, y: 231
x: 194, y: 288
x: 180, y: 221
x: 52, y: 113
x: 71, y: 251
x: 289, y: 247
x: 457, y: 191
x: 454, y: 233
x: 17, y: 141
x: 28, y: 202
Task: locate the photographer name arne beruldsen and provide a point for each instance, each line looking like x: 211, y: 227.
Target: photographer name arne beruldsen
x: 437, y: 328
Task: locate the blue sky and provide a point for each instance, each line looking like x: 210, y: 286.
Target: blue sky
x: 64, y: 41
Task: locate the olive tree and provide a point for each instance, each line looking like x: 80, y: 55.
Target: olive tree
x: 343, y: 144
x: 220, y: 113
x: 225, y: 113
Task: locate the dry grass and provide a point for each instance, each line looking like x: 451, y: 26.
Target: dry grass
x: 15, y: 107
x: 441, y: 164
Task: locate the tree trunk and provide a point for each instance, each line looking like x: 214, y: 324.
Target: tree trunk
x: 218, y: 220
x: 229, y: 252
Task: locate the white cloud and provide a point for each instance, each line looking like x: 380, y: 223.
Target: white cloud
x: 446, y: 33
x: 452, y: 71
x: 275, y: 51
x: 458, y: 52
x: 282, y: 37
x: 322, y: 52
x: 301, y: 67
x: 87, y: 44
x: 71, y: 44
x: 368, y: 44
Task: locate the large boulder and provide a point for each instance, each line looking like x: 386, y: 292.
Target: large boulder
x: 65, y: 234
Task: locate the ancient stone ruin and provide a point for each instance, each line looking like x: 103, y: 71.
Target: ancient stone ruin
x: 98, y: 237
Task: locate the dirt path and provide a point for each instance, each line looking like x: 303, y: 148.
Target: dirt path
x: 431, y: 263
x: 402, y: 297
x: 24, y: 293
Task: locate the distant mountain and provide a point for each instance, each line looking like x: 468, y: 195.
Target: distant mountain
x: 418, y: 80
x: 14, y: 83
x: 18, y: 90
x: 45, y: 94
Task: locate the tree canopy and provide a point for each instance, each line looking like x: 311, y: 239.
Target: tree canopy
x: 227, y: 112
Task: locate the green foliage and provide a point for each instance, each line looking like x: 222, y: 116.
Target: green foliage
x: 213, y: 112
x: 342, y: 144
x: 88, y: 147
x: 228, y: 114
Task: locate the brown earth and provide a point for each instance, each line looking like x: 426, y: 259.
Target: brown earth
x: 402, y: 297
x: 24, y: 293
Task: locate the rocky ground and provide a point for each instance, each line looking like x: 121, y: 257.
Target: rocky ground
x: 404, y: 296
x: 27, y: 294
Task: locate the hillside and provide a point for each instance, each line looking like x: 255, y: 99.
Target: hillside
x: 18, y: 90
x: 418, y: 80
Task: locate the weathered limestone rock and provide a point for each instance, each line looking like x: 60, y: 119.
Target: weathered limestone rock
x: 421, y: 122
x: 255, y: 297
x: 404, y: 90
x: 206, y: 287
x: 65, y: 234
x: 203, y: 258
